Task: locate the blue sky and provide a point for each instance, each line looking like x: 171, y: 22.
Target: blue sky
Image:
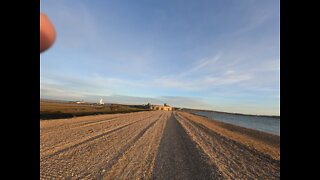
x: 219, y: 55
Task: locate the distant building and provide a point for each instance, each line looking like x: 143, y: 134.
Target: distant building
x: 101, y: 101
x: 164, y: 107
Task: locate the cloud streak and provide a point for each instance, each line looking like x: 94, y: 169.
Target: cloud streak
x: 200, y: 77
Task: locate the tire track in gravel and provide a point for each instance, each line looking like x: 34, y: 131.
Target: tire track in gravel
x: 147, y: 145
x: 54, y: 140
x: 86, y: 140
x: 110, y: 171
x: 98, y: 153
x: 179, y: 157
x: 81, y: 124
x: 141, y: 166
x: 235, y: 160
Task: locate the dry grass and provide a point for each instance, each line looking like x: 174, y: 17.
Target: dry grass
x: 57, y: 109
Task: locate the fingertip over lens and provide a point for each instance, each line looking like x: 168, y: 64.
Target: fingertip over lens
x: 47, y: 33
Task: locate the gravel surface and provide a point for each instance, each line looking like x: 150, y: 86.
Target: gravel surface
x: 154, y: 145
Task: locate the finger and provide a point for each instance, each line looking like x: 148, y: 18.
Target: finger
x: 47, y: 33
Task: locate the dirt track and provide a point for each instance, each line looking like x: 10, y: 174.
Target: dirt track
x: 154, y: 145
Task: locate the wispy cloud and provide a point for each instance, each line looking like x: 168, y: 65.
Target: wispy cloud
x: 54, y: 91
x: 107, y: 48
x: 204, y: 75
x: 257, y: 18
x: 202, y: 64
x: 201, y: 83
x: 268, y: 65
x: 200, y: 77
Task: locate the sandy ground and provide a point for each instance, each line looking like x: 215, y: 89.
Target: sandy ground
x: 155, y: 145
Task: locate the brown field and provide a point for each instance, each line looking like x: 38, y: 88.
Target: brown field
x: 64, y: 109
x: 155, y: 145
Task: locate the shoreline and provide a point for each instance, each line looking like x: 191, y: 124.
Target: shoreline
x: 249, y: 128
x: 266, y: 143
x: 222, y: 112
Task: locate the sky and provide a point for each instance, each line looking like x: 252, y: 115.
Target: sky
x: 221, y: 55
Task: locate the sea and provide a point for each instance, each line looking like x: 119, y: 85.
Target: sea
x: 261, y: 123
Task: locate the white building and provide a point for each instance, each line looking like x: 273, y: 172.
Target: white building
x: 101, y: 101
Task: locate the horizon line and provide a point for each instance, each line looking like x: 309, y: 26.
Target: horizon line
x: 237, y: 113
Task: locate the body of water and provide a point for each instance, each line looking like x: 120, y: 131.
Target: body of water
x: 260, y: 123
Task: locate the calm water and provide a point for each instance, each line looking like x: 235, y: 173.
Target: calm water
x: 265, y: 124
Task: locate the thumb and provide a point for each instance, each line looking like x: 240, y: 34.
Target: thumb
x: 47, y: 33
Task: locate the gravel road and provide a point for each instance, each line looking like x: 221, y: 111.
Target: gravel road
x: 154, y: 145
